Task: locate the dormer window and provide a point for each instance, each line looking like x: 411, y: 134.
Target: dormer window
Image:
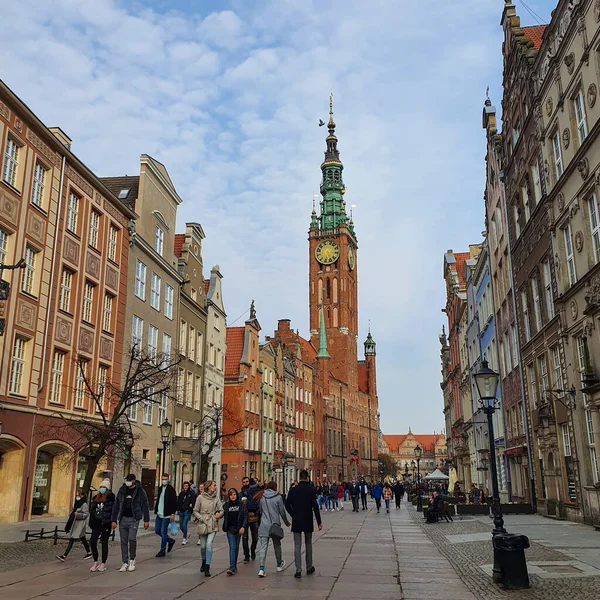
x: 159, y: 239
x: 124, y: 193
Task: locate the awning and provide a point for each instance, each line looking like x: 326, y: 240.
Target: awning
x: 437, y: 475
x: 515, y: 450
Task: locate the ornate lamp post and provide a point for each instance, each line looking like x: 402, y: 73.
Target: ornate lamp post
x: 418, y: 453
x: 165, y: 434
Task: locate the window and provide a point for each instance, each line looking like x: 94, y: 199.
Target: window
x: 166, y: 348
x: 566, y: 436
x: 29, y: 275
x: 247, y: 400
x: 88, y: 301
x: 537, y: 310
x: 189, y: 389
x: 137, y: 330
x: 155, y: 292
x: 72, y: 212
x: 64, y: 301
x: 182, y: 338
x: 543, y: 374
x: 101, y: 387
x: 178, y: 428
x: 58, y: 363
x: 113, y: 237
x: 107, y: 317
x: 191, y: 344
x: 199, y: 347
x: 180, y: 386
x: 569, y: 254
x: 132, y: 409
x: 594, y: 226
x: 579, y: 103
x: 532, y: 385
x: 38, y: 184
x: 162, y: 407
x: 152, y: 342
x: 80, y: 385
x: 548, y: 290
x: 159, y: 238
x: 517, y: 224
x: 11, y: 161
x: 168, y: 301
x: 147, y: 410
x: 94, y: 229
x: 140, y: 279
x: 197, y: 392
x: 581, y: 350
x: 526, y: 205
x: 537, y: 184
x: 507, y: 353
x: 17, y: 366
x: 592, y: 445
x: 525, y: 308
x: 187, y: 429
x: 3, y: 246
x: 558, y: 162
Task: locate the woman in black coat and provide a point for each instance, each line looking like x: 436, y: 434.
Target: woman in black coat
x: 100, y: 523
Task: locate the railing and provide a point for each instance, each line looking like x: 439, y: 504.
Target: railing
x: 54, y: 534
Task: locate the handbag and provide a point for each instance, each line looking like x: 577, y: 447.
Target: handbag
x: 276, y: 530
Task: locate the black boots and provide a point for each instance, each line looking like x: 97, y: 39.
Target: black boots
x: 207, y: 571
x: 203, y: 567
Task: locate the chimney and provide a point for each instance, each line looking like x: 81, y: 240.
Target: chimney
x: 61, y: 136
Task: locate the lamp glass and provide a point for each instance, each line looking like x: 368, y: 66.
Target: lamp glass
x: 486, y: 381
x: 165, y: 430
x: 418, y: 451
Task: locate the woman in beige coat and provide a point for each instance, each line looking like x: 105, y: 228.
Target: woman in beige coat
x: 207, y: 511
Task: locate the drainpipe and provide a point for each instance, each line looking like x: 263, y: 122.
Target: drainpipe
x: 45, y: 344
x: 521, y: 370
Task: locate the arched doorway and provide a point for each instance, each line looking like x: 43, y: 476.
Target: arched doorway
x: 53, y: 480
x: 12, y: 457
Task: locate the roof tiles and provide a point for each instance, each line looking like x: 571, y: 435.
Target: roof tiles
x: 179, y: 242
x: 535, y: 33
x: 235, y: 348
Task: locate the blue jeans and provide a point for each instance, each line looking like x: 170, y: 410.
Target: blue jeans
x: 161, y: 527
x: 387, y: 505
x: 206, y: 542
x: 184, y: 518
x: 234, y: 549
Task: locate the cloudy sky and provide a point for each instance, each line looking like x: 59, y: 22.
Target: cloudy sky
x: 228, y: 94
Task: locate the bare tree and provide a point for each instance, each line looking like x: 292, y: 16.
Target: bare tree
x: 107, y: 431
x: 212, y: 433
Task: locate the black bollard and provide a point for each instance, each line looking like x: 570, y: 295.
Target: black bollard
x: 510, y: 552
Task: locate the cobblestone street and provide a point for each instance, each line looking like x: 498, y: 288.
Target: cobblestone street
x: 363, y: 555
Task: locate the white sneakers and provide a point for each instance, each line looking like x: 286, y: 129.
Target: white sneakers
x: 123, y: 568
x: 101, y: 568
x: 280, y: 566
x: 262, y: 573
x: 198, y: 543
x: 184, y: 541
x: 131, y: 566
x: 94, y: 567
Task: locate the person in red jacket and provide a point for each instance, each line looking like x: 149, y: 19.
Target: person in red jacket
x: 341, y: 496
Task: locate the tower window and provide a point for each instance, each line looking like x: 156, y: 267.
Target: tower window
x: 328, y: 289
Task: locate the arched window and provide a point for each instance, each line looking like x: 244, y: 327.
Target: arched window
x: 328, y: 289
x: 335, y: 317
x: 320, y: 291
x: 335, y: 290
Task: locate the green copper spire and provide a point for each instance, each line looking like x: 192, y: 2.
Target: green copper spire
x: 322, y: 353
x: 314, y: 220
x: 370, y: 343
x: 333, y: 212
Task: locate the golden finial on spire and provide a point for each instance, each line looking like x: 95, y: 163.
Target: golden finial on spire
x: 331, y: 124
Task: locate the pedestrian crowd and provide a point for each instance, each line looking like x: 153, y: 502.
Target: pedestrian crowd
x: 252, y: 518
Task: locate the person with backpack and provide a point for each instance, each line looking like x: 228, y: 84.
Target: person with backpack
x: 301, y: 504
x: 247, y: 495
x: 130, y: 507
x: 165, y: 509
x: 272, y: 512
x: 333, y: 496
x: 235, y: 521
x: 398, y: 493
x: 100, y: 520
x: 76, y: 526
x: 185, y: 506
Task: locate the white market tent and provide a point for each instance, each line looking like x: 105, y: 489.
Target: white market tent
x: 437, y: 475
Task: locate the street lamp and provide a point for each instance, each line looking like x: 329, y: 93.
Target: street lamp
x: 418, y: 452
x: 165, y: 434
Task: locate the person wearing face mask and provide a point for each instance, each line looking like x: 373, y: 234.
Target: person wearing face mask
x: 165, y: 510
x: 207, y: 511
x: 76, y: 526
x: 100, y: 519
x: 130, y: 507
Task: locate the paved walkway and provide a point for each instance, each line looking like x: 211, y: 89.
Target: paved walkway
x: 365, y: 555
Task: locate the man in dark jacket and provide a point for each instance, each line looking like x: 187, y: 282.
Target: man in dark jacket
x: 247, y: 493
x: 130, y: 507
x: 354, y: 490
x: 185, y: 506
x: 165, y: 510
x: 364, y: 490
x: 301, y: 503
x: 398, y: 493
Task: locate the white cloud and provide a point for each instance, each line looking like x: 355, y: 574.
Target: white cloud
x: 229, y: 102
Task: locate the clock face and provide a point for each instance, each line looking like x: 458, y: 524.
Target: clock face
x: 327, y: 252
x: 351, y: 259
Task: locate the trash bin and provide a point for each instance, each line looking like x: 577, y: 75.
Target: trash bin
x: 509, y: 549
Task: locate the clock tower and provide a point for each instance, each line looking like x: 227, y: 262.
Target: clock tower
x: 333, y: 266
